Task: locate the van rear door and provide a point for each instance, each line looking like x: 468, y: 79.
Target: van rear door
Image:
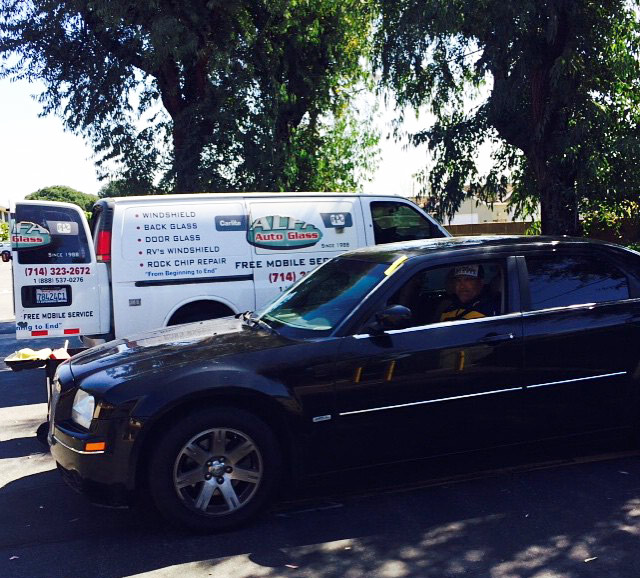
x: 58, y: 287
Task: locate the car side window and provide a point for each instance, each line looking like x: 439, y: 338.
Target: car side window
x: 561, y: 280
x: 394, y: 222
x: 454, y: 293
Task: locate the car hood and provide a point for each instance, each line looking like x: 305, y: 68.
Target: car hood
x: 192, y: 343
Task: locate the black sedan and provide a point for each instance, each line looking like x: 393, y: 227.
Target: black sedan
x: 383, y: 354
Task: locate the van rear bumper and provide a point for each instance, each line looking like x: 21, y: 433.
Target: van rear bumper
x: 92, y: 340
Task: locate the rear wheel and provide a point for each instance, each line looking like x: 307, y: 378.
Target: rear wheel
x: 215, y: 469
x: 199, y: 311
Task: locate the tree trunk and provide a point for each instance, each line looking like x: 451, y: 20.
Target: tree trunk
x: 187, y: 150
x: 558, y: 208
x: 556, y: 190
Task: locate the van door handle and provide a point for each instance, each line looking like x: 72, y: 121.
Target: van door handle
x: 496, y: 337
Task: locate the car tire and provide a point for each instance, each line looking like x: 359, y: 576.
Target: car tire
x: 215, y: 469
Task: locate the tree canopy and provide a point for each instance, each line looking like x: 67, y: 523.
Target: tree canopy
x: 201, y: 94
x: 64, y: 194
x: 557, y: 91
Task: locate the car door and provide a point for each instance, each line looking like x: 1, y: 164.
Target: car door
x: 578, y: 328
x: 434, y: 388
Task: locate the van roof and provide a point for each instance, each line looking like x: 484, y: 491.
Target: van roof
x: 256, y: 195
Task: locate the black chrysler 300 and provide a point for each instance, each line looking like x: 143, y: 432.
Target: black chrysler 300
x: 378, y: 356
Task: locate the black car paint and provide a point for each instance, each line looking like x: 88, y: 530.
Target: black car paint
x: 310, y: 384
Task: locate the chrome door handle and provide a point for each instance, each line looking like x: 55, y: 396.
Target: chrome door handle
x: 496, y: 337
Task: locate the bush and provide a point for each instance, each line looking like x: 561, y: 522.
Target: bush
x: 64, y: 194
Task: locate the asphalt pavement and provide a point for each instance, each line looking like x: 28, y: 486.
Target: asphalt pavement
x: 565, y: 517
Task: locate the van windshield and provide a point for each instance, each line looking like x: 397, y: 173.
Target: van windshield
x: 317, y: 304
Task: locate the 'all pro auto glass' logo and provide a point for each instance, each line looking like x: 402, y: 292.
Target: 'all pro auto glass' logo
x: 276, y: 232
x: 26, y: 235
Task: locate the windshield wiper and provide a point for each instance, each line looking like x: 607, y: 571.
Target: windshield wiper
x: 252, y: 320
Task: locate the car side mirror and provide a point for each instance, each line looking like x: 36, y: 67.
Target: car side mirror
x: 393, y: 317
x: 6, y: 256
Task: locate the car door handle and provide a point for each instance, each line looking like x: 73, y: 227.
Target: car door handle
x: 496, y: 337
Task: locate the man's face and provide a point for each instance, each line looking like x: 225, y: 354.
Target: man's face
x: 467, y: 288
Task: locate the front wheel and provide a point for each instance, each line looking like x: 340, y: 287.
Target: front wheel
x: 214, y: 469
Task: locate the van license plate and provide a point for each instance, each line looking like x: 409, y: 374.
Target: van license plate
x: 49, y: 296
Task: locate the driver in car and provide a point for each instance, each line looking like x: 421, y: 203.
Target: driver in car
x: 471, y: 300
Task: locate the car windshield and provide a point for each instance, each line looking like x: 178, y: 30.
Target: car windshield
x: 318, y: 303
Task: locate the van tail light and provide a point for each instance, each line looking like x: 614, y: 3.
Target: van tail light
x: 103, y: 247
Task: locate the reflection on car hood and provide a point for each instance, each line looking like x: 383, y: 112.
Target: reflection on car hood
x: 182, y: 344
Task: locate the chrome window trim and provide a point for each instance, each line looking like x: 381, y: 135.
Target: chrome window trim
x: 576, y: 306
x: 440, y: 324
x: 56, y: 440
x: 469, y: 395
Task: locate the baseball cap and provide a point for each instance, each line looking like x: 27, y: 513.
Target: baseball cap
x: 475, y: 271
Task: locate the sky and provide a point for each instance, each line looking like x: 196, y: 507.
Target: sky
x: 36, y: 152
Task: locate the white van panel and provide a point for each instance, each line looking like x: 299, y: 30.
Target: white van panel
x: 291, y: 237
x: 175, y: 241
x: 174, y: 254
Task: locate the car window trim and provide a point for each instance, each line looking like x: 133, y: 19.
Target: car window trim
x: 441, y: 324
x: 630, y: 300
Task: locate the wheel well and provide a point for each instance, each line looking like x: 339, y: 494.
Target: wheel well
x: 199, y: 311
x: 265, y: 409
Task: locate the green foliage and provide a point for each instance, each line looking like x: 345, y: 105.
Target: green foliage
x: 535, y: 228
x: 335, y: 159
x: 608, y: 215
x: 64, y: 194
x: 124, y: 188
x: 554, y: 86
x: 619, y: 221
x: 199, y: 94
x: 4, y: 231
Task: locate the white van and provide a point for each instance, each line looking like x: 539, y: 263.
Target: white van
x: 152, y: 261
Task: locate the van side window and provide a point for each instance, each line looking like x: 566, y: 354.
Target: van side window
x: 394, y: 222
x: 46, y: 235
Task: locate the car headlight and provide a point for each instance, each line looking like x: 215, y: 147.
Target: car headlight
x: 83, y: 408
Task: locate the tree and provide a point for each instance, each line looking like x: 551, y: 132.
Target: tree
x: 64, y: 194
x: 556, y: 84
x: 127, y: 188
x: 196, y: 94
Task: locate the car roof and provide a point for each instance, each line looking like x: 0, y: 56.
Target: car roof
x: 478, y: 244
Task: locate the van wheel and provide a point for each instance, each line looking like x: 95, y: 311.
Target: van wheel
x: 199, y: 311
x: 214, y: 469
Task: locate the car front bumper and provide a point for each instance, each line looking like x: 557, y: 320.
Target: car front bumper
x: 103, y: 476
